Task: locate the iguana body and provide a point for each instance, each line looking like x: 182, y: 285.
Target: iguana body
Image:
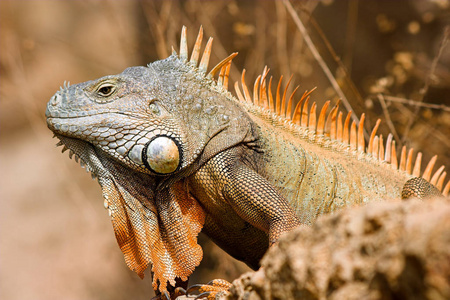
x: 175, y: 153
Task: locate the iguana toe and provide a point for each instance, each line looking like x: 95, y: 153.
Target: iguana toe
x: 211, y: 290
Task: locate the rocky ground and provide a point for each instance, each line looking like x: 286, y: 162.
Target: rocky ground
x: 394, y: 250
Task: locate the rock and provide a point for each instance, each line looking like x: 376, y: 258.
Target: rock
x: 390, y: 250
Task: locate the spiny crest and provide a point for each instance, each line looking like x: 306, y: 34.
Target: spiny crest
x: 222, y: 68
x: 345, y: 136
x: 65, y: 86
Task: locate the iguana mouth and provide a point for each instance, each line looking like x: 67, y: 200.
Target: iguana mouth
x: 87, y: 114
x: 75, y: 127
x: 67, y: 125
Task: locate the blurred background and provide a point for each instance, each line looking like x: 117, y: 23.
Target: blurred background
x: 56, y: 240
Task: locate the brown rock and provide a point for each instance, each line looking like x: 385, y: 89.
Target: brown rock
x: 390, y: 250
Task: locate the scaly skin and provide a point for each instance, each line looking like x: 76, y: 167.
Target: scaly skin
x: 314, y: 180
x: 175, y: 153
x: 345, y: 178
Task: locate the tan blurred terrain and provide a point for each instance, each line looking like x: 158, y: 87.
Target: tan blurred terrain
x: 56, y: 240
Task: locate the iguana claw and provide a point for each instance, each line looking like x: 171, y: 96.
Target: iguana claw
x: 206, y: 295
x: 211, y: 290
x: 180, y: 291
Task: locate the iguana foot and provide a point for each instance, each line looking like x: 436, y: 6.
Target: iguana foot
x: 212, y: 290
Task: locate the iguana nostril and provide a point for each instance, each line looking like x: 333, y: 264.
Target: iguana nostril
x: 55, y: 100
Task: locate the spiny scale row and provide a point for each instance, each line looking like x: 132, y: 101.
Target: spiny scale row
x: 75, y: 156
x: 222, y: 67
x: 331, y: 125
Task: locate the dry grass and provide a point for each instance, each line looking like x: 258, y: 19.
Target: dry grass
x: 56, y: 240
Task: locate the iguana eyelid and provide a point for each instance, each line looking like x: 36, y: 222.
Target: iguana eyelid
x: 106, y: 85
x: 106, y: 95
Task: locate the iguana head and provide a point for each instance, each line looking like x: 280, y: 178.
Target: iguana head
x: 156, y: 119
x: 141, y: 132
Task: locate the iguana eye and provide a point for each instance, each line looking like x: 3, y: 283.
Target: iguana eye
x: 106, y: 90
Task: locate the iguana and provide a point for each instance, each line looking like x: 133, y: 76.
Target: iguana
x: 176, y: 153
